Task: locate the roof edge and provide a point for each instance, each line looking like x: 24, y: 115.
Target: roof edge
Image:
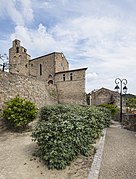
x: 79, y: 69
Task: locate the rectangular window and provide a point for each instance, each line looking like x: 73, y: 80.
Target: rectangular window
x: 40, y: 69
x: 64, y: 78
x: 17, y: 50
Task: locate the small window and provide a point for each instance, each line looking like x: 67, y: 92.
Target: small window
x: 31, y: 65
x: 40, y: 69
x: 17, y: 49
x: 64, y: 78
x: 26, y: 65
x: 50, y: 82
x: 15, y: 42
x: 50, y: 79
x: 71, y: 76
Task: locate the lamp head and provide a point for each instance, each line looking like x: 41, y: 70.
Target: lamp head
x: 117, y: 88
x: 125, y: 89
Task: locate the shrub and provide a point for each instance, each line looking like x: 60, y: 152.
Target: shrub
x: 19, y: 112
x: 131, y: 103
x: 114, y: 109
x: 65, y: 131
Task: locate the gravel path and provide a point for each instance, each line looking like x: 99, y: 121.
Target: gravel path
x: 17, y: 161
x: 119, y: 157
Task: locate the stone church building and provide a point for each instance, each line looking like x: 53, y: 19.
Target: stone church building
x: 51, y: 69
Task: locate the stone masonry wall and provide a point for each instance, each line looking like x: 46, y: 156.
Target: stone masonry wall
x: 129, y: 121
x: 61, y: 63
x: 47, y: 65
x: 30, y: 88
x: 71, y: 90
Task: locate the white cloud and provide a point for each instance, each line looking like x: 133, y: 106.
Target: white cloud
x: 20, y: 12
x: 100, y: 44
x: 37, y: 41
x: 96, y: 34
x: 92, y: 76
x: 27, y: 11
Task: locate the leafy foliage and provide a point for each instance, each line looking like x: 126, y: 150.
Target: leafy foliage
x: 65, y: 131
x: 129, y: 96
x: 19, y: 112
x: 131, y: 103
x: 114, y: 109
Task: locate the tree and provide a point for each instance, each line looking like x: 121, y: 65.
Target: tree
x: 3, y: 61
x: 131, y: 103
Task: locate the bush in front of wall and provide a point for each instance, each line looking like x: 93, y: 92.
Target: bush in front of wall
x: 66, y: 131
x: 114, y: 109
x: 18, y: 112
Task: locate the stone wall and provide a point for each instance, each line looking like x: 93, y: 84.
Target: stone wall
x: 27, y: 87
x: 47, y: 66
x: 104, y: 95
x: 71, y: 86
x: 61, y: 63
x: 129, y: 121
x: 18, y: 59
x: 44, y: 79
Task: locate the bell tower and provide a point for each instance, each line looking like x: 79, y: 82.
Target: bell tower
x: 18, y: 59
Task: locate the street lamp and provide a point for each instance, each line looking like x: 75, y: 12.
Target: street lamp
x: 118, y: 82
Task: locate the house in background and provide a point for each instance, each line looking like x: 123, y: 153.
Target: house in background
x: 103, y: 95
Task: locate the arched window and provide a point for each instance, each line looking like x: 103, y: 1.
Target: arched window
x: 50, y: 82
x: 71, y: 76
x: 50, y: 79
x: 17, y: 49
x: 40, y: 69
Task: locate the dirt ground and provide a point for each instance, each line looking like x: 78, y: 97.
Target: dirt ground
x: 17, y: 160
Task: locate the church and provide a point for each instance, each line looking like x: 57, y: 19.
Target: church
x: 53, y: 70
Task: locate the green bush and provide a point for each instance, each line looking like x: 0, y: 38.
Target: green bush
x: 114, y: 109
x: 65, y: 131
x: 19, y: 112
x: 131, y: 103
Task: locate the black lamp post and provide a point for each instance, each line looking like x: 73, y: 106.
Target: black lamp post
x: 124, y: 82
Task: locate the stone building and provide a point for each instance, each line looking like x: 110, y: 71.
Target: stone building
x: 104, y: 96
x: 53, y: 70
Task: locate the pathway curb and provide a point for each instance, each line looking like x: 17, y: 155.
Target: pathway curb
x: 95, y: 168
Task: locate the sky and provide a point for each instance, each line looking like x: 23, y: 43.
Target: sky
x: 97, y: 34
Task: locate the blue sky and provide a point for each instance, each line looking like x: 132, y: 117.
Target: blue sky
x: 98, y: 34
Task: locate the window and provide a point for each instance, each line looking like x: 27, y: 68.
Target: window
x: 50, y: 82
x: 17, y: 49
x: 26, y: 65
x: 71, y: 76
x: 40, y: 69
x: 15, y: 42
x: 64, y: 78
x: 50, y: 79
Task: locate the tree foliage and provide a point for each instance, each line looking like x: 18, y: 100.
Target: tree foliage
x: 131, y: 103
